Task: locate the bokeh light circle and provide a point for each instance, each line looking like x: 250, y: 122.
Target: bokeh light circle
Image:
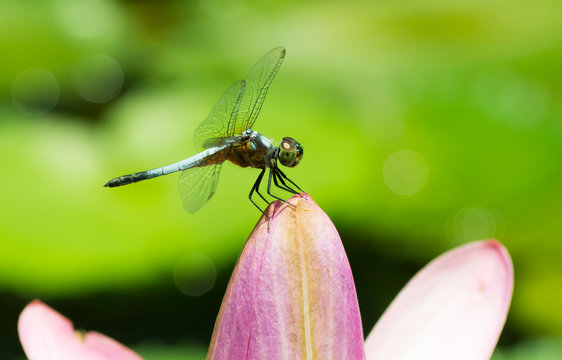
x: 511, y: 98
x: 195, y: 274
x: 473, y: 223
x: 99, y: 78
x: 405, y: 172
x: 35, y: 91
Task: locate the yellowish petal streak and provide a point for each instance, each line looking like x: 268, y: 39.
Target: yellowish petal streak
x: 306, y: 305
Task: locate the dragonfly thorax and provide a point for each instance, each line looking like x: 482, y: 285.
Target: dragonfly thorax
x: 251, y: 149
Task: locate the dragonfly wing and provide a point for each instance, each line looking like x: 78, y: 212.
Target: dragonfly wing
x: 197, y: 186
x: 223, y: 117
x: 238, y: 108
x: 221, y: 141
x: 258, y: 81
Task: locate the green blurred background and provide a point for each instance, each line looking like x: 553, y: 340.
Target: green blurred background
x: 425, y: 124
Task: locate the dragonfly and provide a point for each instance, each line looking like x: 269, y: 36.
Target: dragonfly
x: 226, y: 134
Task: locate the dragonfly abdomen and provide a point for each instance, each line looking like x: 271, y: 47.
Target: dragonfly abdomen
x: 149, y: 174
x: 204, y: 158
x: 128, y: 179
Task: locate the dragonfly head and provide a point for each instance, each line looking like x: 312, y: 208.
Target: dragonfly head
x: 290, y: 152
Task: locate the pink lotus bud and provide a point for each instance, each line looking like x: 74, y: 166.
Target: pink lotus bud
x: 291, y: 295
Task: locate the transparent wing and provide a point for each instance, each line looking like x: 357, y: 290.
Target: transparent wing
x: 238, y: 108
x: 258, y: 81
x: 221, y: 141
x: 197, y: 186
x: 219, y: 123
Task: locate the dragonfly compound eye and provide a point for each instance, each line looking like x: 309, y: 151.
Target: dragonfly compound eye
x: 290, y: 152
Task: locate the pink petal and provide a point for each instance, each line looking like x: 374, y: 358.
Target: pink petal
x: 47, y: 335
x: 454, y: 308
x: 291, y: 295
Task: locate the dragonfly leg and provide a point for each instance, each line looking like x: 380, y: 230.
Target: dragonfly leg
x: 283, y: 185
x: 256, y: 189
x: 271, y: 171
x: 258, y: 183
x: 272, y: 174
x: 286, y: 178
